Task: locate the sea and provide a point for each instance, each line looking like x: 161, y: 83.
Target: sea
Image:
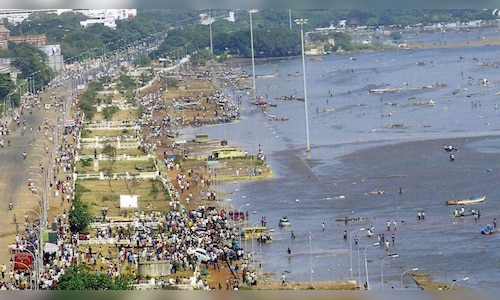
x: 376, y: 125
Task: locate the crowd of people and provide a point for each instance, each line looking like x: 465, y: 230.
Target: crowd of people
x: 154, y: 237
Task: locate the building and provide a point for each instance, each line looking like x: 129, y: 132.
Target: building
x: 4, y: 37
x: 33, y: 39
x: 107, y: 17
x: 106, y: 22
x: 104, y: 16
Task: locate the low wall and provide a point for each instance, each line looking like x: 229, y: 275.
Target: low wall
x: 154, y: 268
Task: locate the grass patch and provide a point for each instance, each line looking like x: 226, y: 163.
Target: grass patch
x: 101, y: 194
x: 119, y: 166
x: 92, y: 133
x: 131, y: 152
x: 120, y: 115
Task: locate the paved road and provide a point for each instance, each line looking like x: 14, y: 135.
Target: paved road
x: 15, y: 171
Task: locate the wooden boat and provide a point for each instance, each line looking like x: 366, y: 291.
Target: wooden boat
x: 267, y: 76
x: 284, y: 222
x: 471, y: 200
x: 265, y: 239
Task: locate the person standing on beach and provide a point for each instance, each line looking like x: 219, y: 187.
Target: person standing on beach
x: 323, y: 226
x: 289, y: 252
x: 283, y: 278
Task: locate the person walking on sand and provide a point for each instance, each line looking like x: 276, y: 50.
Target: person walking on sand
x: 283, y: 278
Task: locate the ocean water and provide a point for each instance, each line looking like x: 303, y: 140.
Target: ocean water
x: 363, y: 142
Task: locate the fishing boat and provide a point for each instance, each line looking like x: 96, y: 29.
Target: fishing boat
x: 264, y: 239
x: 267, y: 76
x: 471, y: 200
x: 284, y: 222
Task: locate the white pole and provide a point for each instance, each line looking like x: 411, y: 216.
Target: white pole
x: 310, y: 256
x: 350, y: 245
x: 254, y: 90
x: 382, y: 268
x: 210, y: 26
x: 455, y: 281
x: 301, y: 22
x: 366, y: 265
x: 414, y: 269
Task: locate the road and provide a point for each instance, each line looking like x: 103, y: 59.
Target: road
x: 15, y: 170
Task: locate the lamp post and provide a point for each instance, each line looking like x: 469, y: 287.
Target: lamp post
x: 254, y: 89
x: 33, y: 81
x: 210, y: 26
x: 36, y: 263
x: 310, y: 257
x: 382, y: 267
x: 239, y: 212
x: 7, y: 100
x: 409, y: 270
x: 253, y: 233
x: 455, y: 281
x: 350, y: 245
x: 29, y: 269
x: 33, y: 211
x: 301, y: 22
x: 366, y: 265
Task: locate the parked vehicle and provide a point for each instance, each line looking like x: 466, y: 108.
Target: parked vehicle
x: 200, y: 253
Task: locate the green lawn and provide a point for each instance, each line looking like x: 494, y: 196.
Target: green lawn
x: 110, y: 133
x: 119, y: 166
x: 131, y: 152
x: 101, y: 194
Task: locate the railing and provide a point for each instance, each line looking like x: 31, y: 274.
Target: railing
x: 124, y: 175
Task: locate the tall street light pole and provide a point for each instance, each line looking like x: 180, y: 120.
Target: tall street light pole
x: 310, y: 258
x: 301, y: 22
x: 210, y: 26
x: 350, y: 245
x: 254, y: 89
x: 366, y: 265
x: 410, y: 270
x: 455, y: 281
x: 382, y: 268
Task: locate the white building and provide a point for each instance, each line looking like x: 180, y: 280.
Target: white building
x: 108, y: 22
x: 103, y: 16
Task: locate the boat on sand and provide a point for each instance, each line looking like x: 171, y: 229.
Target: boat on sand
x: 471, y: 200
x: 284, y: 222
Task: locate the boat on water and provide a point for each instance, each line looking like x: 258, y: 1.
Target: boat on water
x: 264, y: 239
x: 488, y: 229
x: 260, y: 101
x: 284, y: 222
x: 471, y: 200
x: 267, y: 76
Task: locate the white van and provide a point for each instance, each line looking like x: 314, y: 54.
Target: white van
x: 200, y: 253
